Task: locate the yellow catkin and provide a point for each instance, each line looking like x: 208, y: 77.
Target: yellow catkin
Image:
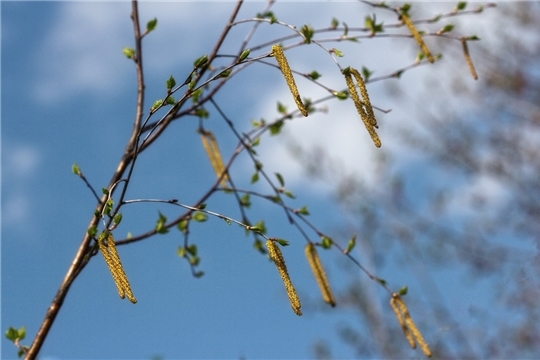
x: 110, y: 265
x: 360, y: 109
x: 365, y: 97
x: 468, y: 58
x: 417, y: 37
x: 412, y: 326
x: 110, y: 254
x: 406, y: 331
x: 318, y: 272
x: 277, y: 257
x: 286, y: 70
x: 214, y: 155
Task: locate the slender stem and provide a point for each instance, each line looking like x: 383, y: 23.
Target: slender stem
x: 79, y: 262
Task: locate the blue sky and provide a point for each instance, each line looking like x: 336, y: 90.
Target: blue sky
x: 68, y: 95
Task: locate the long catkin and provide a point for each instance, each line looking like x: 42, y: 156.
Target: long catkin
x: 417, y: 37
x: 365, y: 97
x: 277, y: 257
x: 287, y: 73
x: 214, y: 155
x: 412, y: 326
x: 110, y: 254
x: 360, y: 109
x: 320, y: 275
x: 468, y: 58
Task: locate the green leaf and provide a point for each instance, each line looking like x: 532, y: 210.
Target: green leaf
x: 151, y: 25
x: 275, y: 128
x: 199, y: 216
x: 200, y: 61
x: 108, y: 207
x: 326, y: 242
x: 405, y: 8
x: 447, y: 28
x: 382, y: 281
x: 403, y: 291
x: 258, y: 245
x: 366, y: 72
x: 183, y: 225
x: 196, y: 95
x: 244, y: 55
x: 474, y: 37
x: 341, y: 95
x: 201, y: 113
x: 245, y: 201
x: 260, y: 225
x: 338, y: 53
x: 156, y: 104
x: 351, y: 244
x: 289, y: 194
x: 255, y: 178
x: 201, y: 207
x: 199, y: 274
x: 461, y: 5
x: 192, y: 249
x: 195, y: 260
x: 334, y: 24
x: 282, y: 109
x: 75, y: 169
x: 12, y: 334
x: 105, y: 191
x: 170, y: 83
x: 307, y: 31
x: 21, y: 333
x: 282, y: 242
x: 224, y: 74
x: 314, y: 75
x: 160, y: 224
x: 92, y: 231
x: 227, y: 221
x: 303, y: 210
x: 169, y: 100
x: 128, y: 52
x: 280, y: 179
x: 181, y: 251
x: 117, y: 219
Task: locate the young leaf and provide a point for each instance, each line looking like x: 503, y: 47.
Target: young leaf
x: 11, y: 334
x: 244, y: 55
x: 199, y: 216
x: 403, y: 291
x: 289, y: 194
x: 280, y: 179
x: 303, y: 210
x: 183, y: 225
x: 366, y: 73
x: 351, y: 244
x: 307, y: 31
x: 282, y: 242
x: 341, y: 95
x: 21, y: 333
x: 160, y: 224
x: 181, y: 251
x: 461, y: 5
x: 117, y: 219
x: 128, y: 52
x: 276, y: 128
x: 169, y: 100
x: 151, y: 25
x: 170, y: 83
x: 326, y: 242
x: 334, y: 24
x: 92, y: 231
x: 314, y: 75
x: 282, y: 109
x: 245, y: 201
x: 255, y: 178
x: 201, y: 207
x: 75, y: 169
x: 224, y: 74
x: 338, y: 53
x: 192, y: 249
x: 200, y: 61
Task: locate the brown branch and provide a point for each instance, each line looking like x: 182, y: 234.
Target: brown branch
x: 79, y: 261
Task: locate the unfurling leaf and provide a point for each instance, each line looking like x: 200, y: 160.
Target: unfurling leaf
x: 244, y: 55
x: 128, y: 52
x: 75, y: 169
x: 200, y: 61
x: 170, y: 83
x: 199, y: 216
x: 351, y: 244
x: 151, y: 25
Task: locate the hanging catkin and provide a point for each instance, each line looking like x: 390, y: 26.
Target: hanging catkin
x: 320, y: 275
x: 409, y: 327
x: 110, y: 254
x: 287, y: 73
x: 277, y: 257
